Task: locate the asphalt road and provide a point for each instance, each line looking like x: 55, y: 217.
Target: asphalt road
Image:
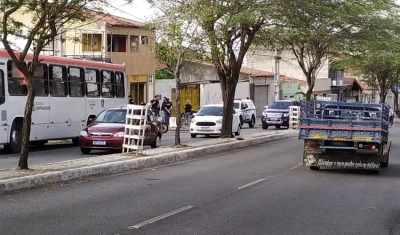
x: 66, y: 151
x: 262, y: 190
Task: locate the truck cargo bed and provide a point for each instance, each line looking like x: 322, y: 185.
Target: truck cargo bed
x: 341, y: 121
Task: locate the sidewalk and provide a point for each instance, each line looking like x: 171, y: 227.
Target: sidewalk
x: 39, y: 175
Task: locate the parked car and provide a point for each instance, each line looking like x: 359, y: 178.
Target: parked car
x: 246, y: 110
x: 106, y: 131
x: 277, y: 114
x: 208, y: 121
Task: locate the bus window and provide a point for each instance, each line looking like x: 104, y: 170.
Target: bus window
x: 58, y: 81
x: 119, y: 85
x: 76, y: 82
x: 40, y: 81
x: 16, y: 80
x: 2, y: 90
x: 92, y: 83
x: 107, y: 80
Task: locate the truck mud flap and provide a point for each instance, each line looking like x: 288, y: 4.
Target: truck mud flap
x: 320, y: 158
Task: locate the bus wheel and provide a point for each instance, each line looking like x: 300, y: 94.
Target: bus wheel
x: 15, y: 138
x: 75, y: 141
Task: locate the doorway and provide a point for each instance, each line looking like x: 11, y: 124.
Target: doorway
x: 138, y: 91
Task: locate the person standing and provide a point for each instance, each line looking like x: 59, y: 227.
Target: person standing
x: 155, y: 105
x: 167, y: 110
x: 131, y: 100
x: 188, y: 112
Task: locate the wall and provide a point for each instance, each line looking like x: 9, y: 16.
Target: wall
x: 141, y: 62
x: 289, y: 67
x: 164, y: 87
x: 196, y: 72
x: 210, y: 93
x: 289, y: 90
x: 74, y: 39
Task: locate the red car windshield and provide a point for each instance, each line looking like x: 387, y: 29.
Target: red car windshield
x: 111, y: 116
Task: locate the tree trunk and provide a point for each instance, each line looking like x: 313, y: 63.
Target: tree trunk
x: 310, y: 84
x: 382, y: 97
x: 309, y: 94
x: 178, y: 110
x: 26, y: 126
x: 228, y: 88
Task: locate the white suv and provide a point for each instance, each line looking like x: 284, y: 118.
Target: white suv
x: 246, y: 110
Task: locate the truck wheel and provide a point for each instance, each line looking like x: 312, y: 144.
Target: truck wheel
x: 314, y: 168
x: 264, y: 125
x: 385, y: 164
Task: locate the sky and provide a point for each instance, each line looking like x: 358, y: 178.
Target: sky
x: 138, y: 10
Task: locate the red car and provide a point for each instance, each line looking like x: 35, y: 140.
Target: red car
x: 106, y: 131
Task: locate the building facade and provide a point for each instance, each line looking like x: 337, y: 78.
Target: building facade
x: 264, y: 59
x: 119, y: 40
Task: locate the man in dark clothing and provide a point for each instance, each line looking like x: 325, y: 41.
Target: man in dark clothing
x: 188, y: 112
x: 167, y: 110
x: 131, y: 100
x: 155, y: 106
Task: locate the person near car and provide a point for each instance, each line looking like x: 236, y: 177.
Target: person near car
x: 155, y: 105
x: 167, y: 110
x: 188, y: 112
x: 163, y: 107
x: 131, y: 100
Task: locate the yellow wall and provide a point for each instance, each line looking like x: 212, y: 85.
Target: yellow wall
x: 188, y: 92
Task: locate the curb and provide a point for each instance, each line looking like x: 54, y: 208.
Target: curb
x: 26, y: 182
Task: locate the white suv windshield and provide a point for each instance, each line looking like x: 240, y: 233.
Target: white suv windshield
x: 210, y: 111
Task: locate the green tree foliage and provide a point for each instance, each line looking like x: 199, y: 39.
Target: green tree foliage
x: 314, y: 30
x: 162, y: 74
x: 45, y: 21
x: 229, y: 27
x: 178, y: 44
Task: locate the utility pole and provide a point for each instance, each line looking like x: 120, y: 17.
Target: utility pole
x: 277, y: 76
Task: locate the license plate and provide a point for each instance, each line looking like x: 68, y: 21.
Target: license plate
x: 274, y: 119
x: 205, y: 128
x: 99, y: 142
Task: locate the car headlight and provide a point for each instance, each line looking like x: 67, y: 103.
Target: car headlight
x: 83, y: 133
x: 219, y: 121
x: 193, y: 120
x: 285, y: 115
x: 119, y: 134
x: 264, y: 113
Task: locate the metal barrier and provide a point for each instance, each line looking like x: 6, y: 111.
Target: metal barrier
x: 135, y: 127
x: 294, y: 115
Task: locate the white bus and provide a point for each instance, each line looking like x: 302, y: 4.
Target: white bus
x: 69, y: 92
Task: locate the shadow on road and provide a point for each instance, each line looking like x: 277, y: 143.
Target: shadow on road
x: 46, y: 147
x: 393, y: 170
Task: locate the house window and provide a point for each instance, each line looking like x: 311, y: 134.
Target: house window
x: 91, y: 42
x: 116, y: 43
x: 134, y: 43
x: 144, y: 40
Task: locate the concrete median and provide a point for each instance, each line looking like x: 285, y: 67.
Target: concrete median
x: 60, y: 173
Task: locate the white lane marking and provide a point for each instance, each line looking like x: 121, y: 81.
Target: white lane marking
x: 299, y: 165
x: 252, y: 183
x: 155, y: 219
